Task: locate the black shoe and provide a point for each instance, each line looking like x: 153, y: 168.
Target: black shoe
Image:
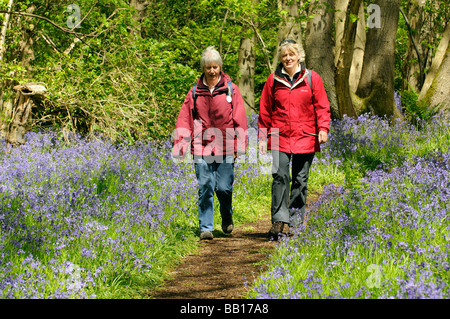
x: 276, y: 229
x: 227, y: 226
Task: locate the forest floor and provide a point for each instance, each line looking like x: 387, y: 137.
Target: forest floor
x: 223, y: 266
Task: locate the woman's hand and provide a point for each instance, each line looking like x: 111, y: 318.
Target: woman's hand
x: 262, y: 147
x: 323, y: 137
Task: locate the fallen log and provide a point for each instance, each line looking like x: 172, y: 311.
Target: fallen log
x: 17, y: 114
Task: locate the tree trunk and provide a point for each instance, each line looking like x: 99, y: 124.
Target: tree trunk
x: 27, y: 43
x: 4, y: 30
x: 414, y: 66
x: 339, y: 26
x: 3, y: 50
x: 246, y: 81
x: 376, y: 86
x: 319, y: 48
x: 140, y: 6
x: 438, y: 95
x: 289, y: 28
x: 358, y: 50
x: 437, y: 61
x: 344, y: 62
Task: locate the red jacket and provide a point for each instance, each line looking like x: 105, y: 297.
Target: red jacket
x: 215, y: 126
x: 287, y: 113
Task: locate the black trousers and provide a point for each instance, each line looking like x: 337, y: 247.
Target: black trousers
x: 289, y: 200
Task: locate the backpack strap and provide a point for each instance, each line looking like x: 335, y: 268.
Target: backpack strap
x: 229, y: 94
x: 194, y: 97
x: 308, y: 76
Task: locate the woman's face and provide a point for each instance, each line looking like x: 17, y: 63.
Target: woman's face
x: 289, y: 59
x: 212, y: 71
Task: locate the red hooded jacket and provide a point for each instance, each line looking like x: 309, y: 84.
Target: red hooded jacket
x: 288, y: 115
x: 214, y: 126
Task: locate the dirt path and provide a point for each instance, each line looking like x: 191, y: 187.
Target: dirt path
x: 223, y: 266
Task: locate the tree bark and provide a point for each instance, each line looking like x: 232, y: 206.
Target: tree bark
x: 437, y: 61
x: 15, y: 124
x: 319, y: 48
x: 289, y: 28
x: 140, y: 6
x: 438, y: 95
x: 376, y: 86
x: 246, y: 81
x: 358, y: 50
x: 414, y: 66
x: 340, y: 8
x: 27, y: 43
x: 344, y: 62
x: 4, y: 30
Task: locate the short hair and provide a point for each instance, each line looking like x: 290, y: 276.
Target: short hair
x: 210, y: 55
x: 292, y: 46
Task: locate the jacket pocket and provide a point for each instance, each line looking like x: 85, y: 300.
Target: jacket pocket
x: 278, y: 127
x: 308, y: 128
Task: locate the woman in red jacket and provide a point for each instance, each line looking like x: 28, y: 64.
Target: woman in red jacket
x: 294, y: 120
x: 212, y: 125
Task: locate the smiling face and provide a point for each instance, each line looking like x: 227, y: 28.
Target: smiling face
x: 290, y: 60
x: 212, y: 72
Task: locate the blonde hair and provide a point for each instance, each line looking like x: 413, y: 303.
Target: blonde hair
x: 210, y: 55
x: 292, y: 46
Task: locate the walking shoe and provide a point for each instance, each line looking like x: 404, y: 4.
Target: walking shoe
x: 206, y: 235
x: 276, y: 229
x: 227, y: 226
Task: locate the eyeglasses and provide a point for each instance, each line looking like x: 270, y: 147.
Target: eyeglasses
x: 287, y: 41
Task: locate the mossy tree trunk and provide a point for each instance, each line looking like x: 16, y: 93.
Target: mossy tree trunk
x: 438, y: 95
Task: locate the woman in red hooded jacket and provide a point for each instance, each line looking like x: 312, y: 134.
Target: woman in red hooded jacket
x: 212, y: 126
x: 294, y: 120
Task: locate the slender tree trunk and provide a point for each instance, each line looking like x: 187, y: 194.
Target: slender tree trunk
x: 344, y: 62
x: 358, y: 50
x: 319, y: 48
x: 3, y: 50
x: 140, y: 6
x: 289, y: 28
x: 246, y: 82
x: 340, y: 8
x: 414, y: 66
x: 376, y: 86
x: 26, y: 55
x: 4, y: 29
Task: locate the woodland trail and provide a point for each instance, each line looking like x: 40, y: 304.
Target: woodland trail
x: 223, y: 266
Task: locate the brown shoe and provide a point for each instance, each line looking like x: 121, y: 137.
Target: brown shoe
x: 276, y: 229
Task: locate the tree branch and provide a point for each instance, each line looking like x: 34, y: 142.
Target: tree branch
x: 419, y: 58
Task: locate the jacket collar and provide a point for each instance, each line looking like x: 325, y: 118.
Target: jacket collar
x: 280, y: 75
x: 221, y: 85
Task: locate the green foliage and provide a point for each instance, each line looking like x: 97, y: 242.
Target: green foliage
x: 416, y: 111
x: 128, y: 77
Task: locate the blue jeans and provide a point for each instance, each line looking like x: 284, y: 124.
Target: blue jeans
x: 213, y: 178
